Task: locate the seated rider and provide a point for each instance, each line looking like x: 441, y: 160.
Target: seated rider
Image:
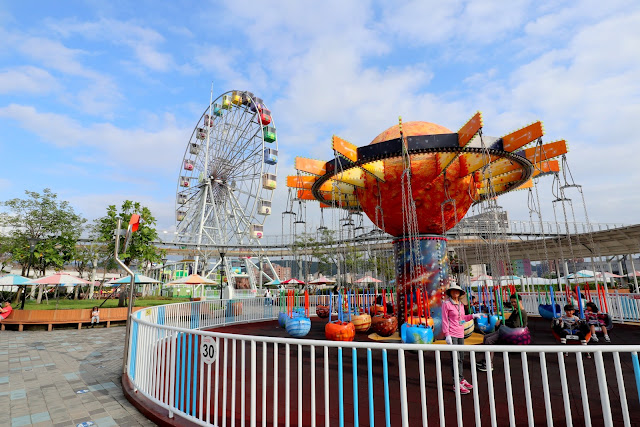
x: 570, y: 324
x: 594, y: 319
x: 517, y: 312
x: 6, y: 310
x: 389, y: 304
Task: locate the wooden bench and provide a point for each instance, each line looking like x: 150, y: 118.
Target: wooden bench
x: 52, y: 317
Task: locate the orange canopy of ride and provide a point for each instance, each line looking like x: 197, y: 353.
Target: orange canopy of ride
x: 429, y: 185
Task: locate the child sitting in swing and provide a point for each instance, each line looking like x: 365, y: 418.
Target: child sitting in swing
x: 594, y: 319
x: 570, y: 324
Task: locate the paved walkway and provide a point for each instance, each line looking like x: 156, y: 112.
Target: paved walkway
x: 64, y: 378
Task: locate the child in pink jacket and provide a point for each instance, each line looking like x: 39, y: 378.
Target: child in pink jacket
x: 453, y: 319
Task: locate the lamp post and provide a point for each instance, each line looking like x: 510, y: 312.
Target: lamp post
x: 223, y: 270
x: 33, y: 241
x: 164, y: 261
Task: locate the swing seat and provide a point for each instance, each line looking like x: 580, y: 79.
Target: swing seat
x: 514, y: 336
x: 340, y: 331
x: 546, y: 311
x: 385, y: 326
x: 416, y: 334
x: 420, y: 321
x: 468, y: 328
x: 362, y: 322
x: 572, y: 336
x: 282, y: 319
x: 376, y: 310
x: 487, y: 324
x: 322, y: 311
x: 298, y: 326
x: 605, y: 320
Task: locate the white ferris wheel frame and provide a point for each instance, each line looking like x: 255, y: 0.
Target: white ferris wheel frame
x: 221, y: 208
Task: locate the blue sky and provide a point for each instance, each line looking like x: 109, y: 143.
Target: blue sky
x: 98, y: 99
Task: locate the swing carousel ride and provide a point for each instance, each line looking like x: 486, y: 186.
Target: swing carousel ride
x: 225, y: 187
x: 415, y: 181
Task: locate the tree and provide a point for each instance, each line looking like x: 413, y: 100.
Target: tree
x: 383, y: 263
x: 52, y: 222
x: 324, y: 250
x: 86, y: 256
x: 140, y: 249
x: 6, y: 249
x: 54, y: 253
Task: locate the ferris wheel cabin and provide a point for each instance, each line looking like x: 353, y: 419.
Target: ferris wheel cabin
x: 270, y: 156
x: 201, y: 134
x: 208, y: 120
x: 268, y: 181
x: 217, y: 110
x: 258, y: 104
x: 269, y: 133
x: 182, y: 198
x: 256, y: 231
x: 264, y: 208
x: 188, y: 165
x: 265, y: 116
x: 194, y: 148
x: 236, y: 97
x: 246, y: 98
x: 180, y: 215
x: 226, y: 102
x: 184, y: 181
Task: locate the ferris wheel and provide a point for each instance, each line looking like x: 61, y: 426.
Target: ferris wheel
x: 228, y: 173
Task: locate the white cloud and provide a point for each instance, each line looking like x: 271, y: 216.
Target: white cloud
x: 430, y: 22
x: 54, y: 55
x: 141, y: 40
x: 220, y: 62
x: 331, y: 68
x: 5, y: 184
x: 586, y: 91
x: 95, y: 205
x: 147, y: 150
x: 93, y: 93
x: 27, y: 79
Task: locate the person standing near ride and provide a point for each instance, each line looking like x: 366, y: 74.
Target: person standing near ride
x: 453, y: 319
x: 517, y: 319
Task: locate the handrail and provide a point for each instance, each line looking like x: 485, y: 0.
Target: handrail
x: 355, y: 344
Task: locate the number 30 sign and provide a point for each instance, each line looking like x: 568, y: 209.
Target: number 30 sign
x: 208, y: 350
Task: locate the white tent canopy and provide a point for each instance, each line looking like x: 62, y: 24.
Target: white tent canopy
x: 588, y: 276
x: 541, y: 281
x: 497, y: 281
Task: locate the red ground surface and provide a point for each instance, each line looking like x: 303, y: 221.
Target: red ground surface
x: 622, y: 334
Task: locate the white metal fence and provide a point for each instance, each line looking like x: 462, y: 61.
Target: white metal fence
x: 213, y: 378
x: 622, y: 307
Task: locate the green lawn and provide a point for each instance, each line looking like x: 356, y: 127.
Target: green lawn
x: 64, y: 304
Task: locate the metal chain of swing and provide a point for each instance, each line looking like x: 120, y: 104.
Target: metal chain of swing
x: 410, y: 229
x: 534, y: 207
x: 342, y: 247
x: 589, y: 232
x: 496, y: 240
x: 558, y: 193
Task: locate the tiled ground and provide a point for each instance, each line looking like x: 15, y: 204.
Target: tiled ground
x: 64, y: 378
